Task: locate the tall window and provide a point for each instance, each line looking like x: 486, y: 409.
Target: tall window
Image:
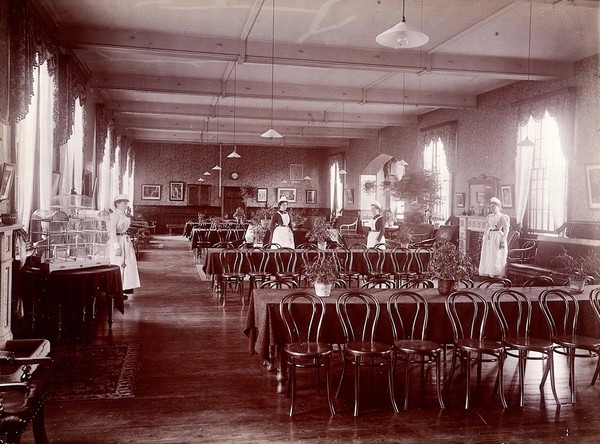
x: 546, y: 204
x: 434, y: 160
x: 336, y: 187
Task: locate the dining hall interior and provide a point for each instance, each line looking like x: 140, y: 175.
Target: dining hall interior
x: 445, y: 153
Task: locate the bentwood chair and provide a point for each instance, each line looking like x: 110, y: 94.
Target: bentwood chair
x: 402, y: 260
x: 378, y: 283
x: 418, y: 283
x: 309, y: 255
x: 539, y: 281
x: 422, y: 256
x: 358, y: 313
x: 375, y: 259
x: 561, y: 310
x: 283, y: 283
x: 232, y: 275
x: 468, y: 313
x: 495, y: 282
x: 513, y: 311
x: 286, y: 260
x: 409, y: 313
x: 257, y: 259
x: 304, y: 350
x: 595, y: 301
x: 345, y: 263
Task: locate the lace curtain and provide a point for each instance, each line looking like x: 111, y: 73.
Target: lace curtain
x: 447, y: 133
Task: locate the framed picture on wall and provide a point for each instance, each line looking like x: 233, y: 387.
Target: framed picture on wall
x: 6, y: 181
x: 151, y: 192
x: 261, y: 194
x: 460, y: 200
x: 592, y: 178
x: 176, y: 190
x: 506, y: 196
x: 289, y: 193
x: 311, y: 196
x: 349, y: 195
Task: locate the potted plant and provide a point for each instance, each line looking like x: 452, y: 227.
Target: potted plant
x: 319, y: 233
x: 322, y: 272
x: 418, y: 188
x: 403, y: 235
x: 449, y: 265
x: 298, y: 220
x: 262, y: 216
x: 578, y: 269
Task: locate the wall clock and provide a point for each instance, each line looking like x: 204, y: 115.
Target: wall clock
x: 234, y: 175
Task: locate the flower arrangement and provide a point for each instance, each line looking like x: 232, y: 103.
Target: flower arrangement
x: 579, y: 266
x: 319, y: 231
x: 322, y: 270
x: 447, y: 262
x: 403, y: 234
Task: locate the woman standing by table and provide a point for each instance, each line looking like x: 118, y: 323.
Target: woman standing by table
x: 120, y: 248
x: 494, y: 250
x: 377, y: 225
x: 281, y: 225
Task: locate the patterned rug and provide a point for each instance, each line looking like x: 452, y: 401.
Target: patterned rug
x: 94, y: 372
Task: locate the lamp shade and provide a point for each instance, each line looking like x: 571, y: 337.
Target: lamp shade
x: 271, y: 134
x: 234, y: 154
x: 217, y: 168
x: 526, y: 142
x: 401, y: 36
x: 206, y: 173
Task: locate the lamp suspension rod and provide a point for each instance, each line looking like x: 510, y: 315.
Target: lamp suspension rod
x: 272, y: 58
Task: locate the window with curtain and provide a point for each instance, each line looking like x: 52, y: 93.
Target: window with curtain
x: 336, y: 187
x: 546, y: 200
x: 434, y: 160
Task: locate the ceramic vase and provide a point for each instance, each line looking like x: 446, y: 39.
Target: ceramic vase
x: 322, y: 290
x: 576, y: 284
x: 446, y: 286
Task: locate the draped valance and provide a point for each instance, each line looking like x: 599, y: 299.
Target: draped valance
x: 446, y: 132
x: 102, y: 121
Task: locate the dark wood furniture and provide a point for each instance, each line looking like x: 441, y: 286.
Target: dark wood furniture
x: 62, y: 304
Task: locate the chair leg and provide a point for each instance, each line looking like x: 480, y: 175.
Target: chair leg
x: 356, y: 384
x: 501, y: 377
x: 438, y: 383
x: 292, y: 384
x: 328, y: 382
x: 468, y: 379
x: 391, y: 384
x: 597, y: 370
x: 337, y: 393
x: 406, y: 380
x: 452, y: 367
x: 552, y: 379
x: 572, y: 374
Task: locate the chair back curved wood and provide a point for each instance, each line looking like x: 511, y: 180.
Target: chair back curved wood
x: 231, y: 260
x: 358, y: 313
x: 465, y: 283
x: 468, y: 313
x: 402, y: 260
x: 595, y: 301
x: 539, y: 281
x: 561, y: 310
x: 409, y: 314
x: 286, y: 260
x: 258, y: 260
x: 378, y: 283
x: 513, y: 310
x: 418, y: 283
x: 271, y: 245
x: 375, y: 259
x: 344, y: 262
x: 280, y: 283
x: 422, y: 256
x: 495, y: 282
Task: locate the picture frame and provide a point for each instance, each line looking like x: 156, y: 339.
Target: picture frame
x: 349, y: 195
x: 151, y: 192
x: 506, y: 196
x: 262, y: 194
x: 311, y: 196
x: 460, y: 200
x: 176, y: 191
x: 6, y: 180
x: 592, y: 178
x: 289, y: 193
x: 296, y: 172
x: 55, y: 182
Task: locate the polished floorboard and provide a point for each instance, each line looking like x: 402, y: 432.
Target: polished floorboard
x: 197, y: 383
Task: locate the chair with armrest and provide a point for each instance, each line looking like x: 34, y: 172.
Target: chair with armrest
x: 349, y: 228
x: 446, y: 232
x: 523, y: 255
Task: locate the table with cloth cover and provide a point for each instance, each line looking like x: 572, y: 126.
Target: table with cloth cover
x: 267, y: 334
x: 212, y: 264
x: 61, y: 303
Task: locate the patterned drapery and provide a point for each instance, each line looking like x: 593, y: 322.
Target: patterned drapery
x: 447, y: 133
x: 29, y: 45
x: 561, y: 106
x: 102, y: 121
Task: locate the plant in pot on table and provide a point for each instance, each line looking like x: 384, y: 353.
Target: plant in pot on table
x: 257, y: 229
x: 579, y: 269
x: 322, y: 272
x: 403, y: 235
x: 319, y: 233
x: 449, y: 266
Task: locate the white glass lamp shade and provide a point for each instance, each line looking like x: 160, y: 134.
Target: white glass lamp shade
x: 401, y: 36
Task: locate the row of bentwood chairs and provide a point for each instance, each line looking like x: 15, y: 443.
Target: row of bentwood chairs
x: 409, y: 313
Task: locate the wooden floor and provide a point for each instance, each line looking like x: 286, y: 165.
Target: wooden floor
x: 198, y: 383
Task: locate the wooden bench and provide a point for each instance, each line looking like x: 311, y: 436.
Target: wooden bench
x: 523, y: 265
x: 172, y: 227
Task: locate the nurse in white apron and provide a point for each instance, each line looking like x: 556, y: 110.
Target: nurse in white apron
x: 494, y: 251
x: 281, y: 226
x: 120, y: 248
x: 377, y: 225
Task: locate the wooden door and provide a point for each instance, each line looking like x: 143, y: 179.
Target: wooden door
x: 232, y: 199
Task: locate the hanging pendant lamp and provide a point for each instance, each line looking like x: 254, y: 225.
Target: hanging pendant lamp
x: 527, y: 141
x: 234, y: 154
x: 402, y: 35
x: 271, y: 133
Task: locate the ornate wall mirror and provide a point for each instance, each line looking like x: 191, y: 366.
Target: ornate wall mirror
x: 481, y: 189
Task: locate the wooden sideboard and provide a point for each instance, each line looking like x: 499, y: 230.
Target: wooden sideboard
x: 6, y: 274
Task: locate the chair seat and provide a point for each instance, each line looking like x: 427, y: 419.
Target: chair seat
x: 479, y: 345
x: 308, y: 349
x: 585, y: 342
x: 417, y: 346
x: 524, y: 343
x: 367, y: 348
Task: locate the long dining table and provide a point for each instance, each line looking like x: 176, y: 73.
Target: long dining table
x: 212, y: 264
x: 267, y: 334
